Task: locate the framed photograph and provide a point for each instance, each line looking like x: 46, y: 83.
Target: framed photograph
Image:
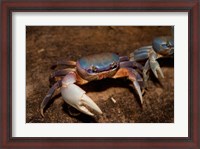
x: 96, y: 74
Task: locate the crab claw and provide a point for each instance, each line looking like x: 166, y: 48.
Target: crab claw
x: 76, y: 97
x: 156, y: 67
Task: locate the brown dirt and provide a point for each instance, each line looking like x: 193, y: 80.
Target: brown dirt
x: 46, y: 45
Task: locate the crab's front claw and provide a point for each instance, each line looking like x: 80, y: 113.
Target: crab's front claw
x: 155, y: 67
x: 76, y: 97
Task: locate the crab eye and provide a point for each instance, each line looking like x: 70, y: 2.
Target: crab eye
x: 89, y: 70
x: 165, y: 46
x: 92, y: 69
x: 169, y: 44
x: 113, y: 65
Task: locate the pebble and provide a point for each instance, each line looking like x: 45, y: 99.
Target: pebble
x: 113, y: 100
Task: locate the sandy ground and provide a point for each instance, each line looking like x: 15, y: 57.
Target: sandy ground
x: 46, y: 45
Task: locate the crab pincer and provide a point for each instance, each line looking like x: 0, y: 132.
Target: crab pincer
x: 72, y: 94
x: 76, y: 97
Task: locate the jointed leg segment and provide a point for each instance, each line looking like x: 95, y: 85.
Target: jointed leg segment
x: 130, y: 73
x: 47, y: 98
x: 64, y: 62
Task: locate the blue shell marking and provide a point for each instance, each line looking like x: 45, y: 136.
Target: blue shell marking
x: 101, y: 61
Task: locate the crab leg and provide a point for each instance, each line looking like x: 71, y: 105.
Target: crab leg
x: 76, y: 97
x: 141, y: 53
x: 151, y: 63
x: 131, y: 64
x: 47, y: 98
x: 60, y: 73
x: 64, y: 62
x: 130, y: 73
x: 123, y: 58
x: 154, y: 65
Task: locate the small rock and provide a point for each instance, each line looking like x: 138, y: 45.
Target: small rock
x: 113, y: 100
x: 41, y: 50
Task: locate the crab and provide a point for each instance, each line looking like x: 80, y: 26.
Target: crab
x: 86, y: 69
x: 161, y: 47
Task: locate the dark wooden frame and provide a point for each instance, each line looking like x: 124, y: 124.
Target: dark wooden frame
x: 9, y: 6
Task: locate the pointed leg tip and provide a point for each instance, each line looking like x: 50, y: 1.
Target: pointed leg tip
x: 42, y: 112
x: 155, y: 73
x: 141, y: 100
x: 162, y: 75
x: 137, y: 87
x: 160, y: 71
x: 143, y: 91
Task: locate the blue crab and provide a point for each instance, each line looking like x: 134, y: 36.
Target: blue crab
x: 86, y: 69
x: 161, y: 47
